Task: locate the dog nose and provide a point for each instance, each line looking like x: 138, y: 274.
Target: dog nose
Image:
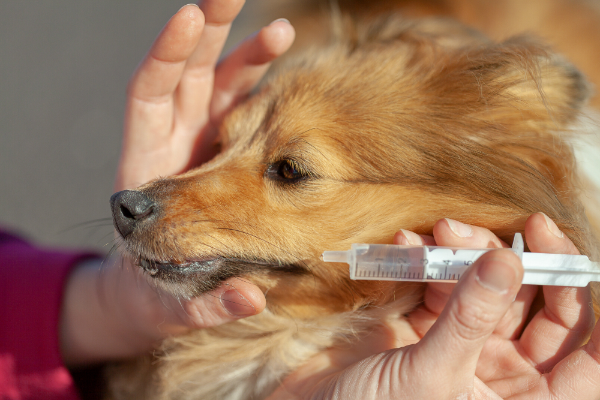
x: 129, y: 207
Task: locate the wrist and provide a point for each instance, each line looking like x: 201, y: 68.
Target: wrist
x: 94, y: 324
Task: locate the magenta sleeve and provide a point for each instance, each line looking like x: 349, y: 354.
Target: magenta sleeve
x: 32, y: 282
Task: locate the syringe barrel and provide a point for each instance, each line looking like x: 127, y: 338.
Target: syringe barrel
x: 381, y: 261
x: 416, y: 263
x: 438, y: 263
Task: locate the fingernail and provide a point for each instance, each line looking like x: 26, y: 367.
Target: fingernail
x: 552, y: 227
x: 460, y: 229
x: 280, y: 19
x: 496, y: 275
x: 411, y: 238
x: 190, y: 4
x: 236, y: 304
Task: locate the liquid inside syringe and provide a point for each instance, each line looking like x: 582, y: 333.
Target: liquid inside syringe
x: 447, y: 264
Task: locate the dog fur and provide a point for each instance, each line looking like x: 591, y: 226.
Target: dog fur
x: 396, y: 123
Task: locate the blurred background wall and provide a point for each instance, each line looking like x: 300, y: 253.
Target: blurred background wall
x: 64, y: 67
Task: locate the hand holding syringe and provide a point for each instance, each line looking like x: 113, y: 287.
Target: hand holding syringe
x: 485, y: 325
x: 447, y: 264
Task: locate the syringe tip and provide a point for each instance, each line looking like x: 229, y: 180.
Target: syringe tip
x: 335, y: 256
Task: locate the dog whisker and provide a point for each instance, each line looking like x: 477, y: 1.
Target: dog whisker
x: 238, y: 223
x: 221, y: 242
x: 247, y: 281
x: 206, y: 208
x: 105, y: 235
x: 100, y: 222
x: 112, y: 250
x: 269, y: 243
x: 229, y: 222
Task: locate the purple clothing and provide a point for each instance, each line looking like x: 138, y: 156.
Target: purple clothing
x: 32, y: 282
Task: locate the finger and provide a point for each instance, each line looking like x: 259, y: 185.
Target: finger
x: 408, y: 238
x: 196, y: 89
x: 150, y: 96
x: 237, y: 75
x: 480, y: 299
x: 440, y: 292
x: 567, y: 317
x: 578, y: 375
x: 234, y: 299
x: 168, y: 56
x: 436, y: 294
x: 435, y: 299
x: 448, y: 232
x: 219, y: 16
x: 543, y: 236
x: 511, y: 325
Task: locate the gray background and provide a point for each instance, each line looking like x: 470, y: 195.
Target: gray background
x: 64, y: 67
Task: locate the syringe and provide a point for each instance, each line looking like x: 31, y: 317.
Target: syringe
x: 447, y: 264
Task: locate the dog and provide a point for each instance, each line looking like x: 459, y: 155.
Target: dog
x: 396, y: 123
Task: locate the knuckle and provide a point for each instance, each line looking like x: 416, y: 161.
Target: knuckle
x: 472, y: 321
x: 194, y: 316
x: 486, y: 238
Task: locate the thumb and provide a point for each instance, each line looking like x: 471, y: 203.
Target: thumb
x: 234, y: 299
x: 479, y: 301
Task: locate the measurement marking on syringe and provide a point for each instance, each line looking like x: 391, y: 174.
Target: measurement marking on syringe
x: 449, y: 264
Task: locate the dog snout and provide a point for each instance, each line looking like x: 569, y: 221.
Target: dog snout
x: 130, y: 208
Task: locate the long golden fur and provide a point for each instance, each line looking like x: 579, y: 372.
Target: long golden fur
x: 395, y: 124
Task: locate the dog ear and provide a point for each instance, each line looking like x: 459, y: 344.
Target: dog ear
x: 516, y: 81
x: 520, y: 81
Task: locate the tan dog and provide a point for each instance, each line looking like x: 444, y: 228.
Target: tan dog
x: 395, y: 124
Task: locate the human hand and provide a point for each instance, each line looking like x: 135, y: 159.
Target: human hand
x: 176, y: 100
x: 179, y: 94
x: 535, y: 360
x: 474, y: 343
x: 111, y: 311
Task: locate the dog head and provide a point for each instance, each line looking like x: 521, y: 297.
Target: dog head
x: 394, y: 125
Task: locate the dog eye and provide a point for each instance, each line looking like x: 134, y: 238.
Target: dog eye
x: 287, y: 171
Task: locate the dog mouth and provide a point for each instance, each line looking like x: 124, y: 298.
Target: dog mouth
x: 155, y: 268
x: 203, y: 275
x: 193, y: 277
